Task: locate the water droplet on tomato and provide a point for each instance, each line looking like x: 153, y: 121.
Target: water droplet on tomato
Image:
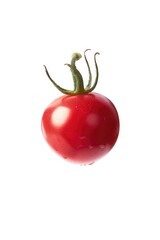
x: 102, y: 146
x: 90, y: 147
x: 82, y: 137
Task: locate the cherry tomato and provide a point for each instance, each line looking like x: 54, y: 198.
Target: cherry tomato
x: 80, y: 126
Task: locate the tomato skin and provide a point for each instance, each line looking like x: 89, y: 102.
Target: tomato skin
x: 81, y: 128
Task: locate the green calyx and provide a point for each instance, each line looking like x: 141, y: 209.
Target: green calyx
x: 77, y: 77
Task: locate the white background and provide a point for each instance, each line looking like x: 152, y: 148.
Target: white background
x: 42, y: 196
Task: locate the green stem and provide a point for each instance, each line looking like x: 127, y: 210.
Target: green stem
x: 65, y: 91
x: 89, y: 70
x: 77, y: 77
x: 97, y: 75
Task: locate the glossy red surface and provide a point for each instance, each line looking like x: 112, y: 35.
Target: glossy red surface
x: 81, y: 128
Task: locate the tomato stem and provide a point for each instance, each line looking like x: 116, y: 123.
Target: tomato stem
x: 77, y: 77
x: 89, y: 70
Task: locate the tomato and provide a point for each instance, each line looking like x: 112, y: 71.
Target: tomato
x: 81, y: 127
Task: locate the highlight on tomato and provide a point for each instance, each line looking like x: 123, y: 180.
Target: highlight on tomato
x: 81, y: 126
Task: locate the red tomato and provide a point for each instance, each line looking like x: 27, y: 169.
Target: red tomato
x: 81, y: 128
